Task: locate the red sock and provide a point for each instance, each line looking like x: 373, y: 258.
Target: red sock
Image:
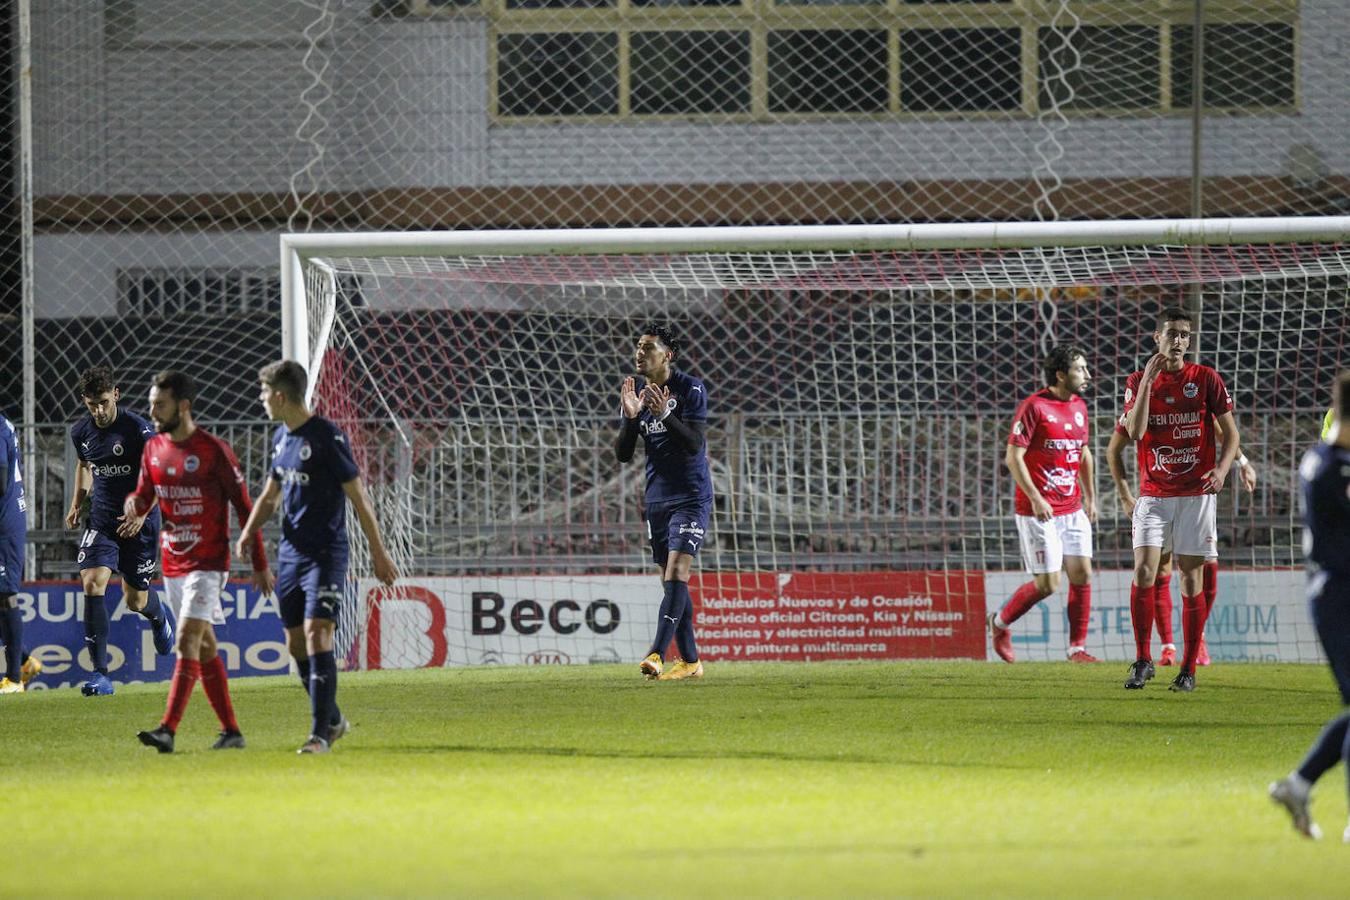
x: 1080, y: 611
x: 1192, y: 629
x: 217, y: 687
x: 1141, y: 616
x: 185, y: 675
x: 1162, y: 608
x: 1023, y: 599
x: 1211, y: 584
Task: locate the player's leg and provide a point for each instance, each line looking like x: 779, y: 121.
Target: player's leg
x: 1331, y: 617
x: 216, y: 685
x: 136, y: 563
x: 1211, y: 589
x: 1194, y: 536
x: 94, y: 575
x: 1075, y: 535
x: 1043, y: 557
x: 668, y: 615
x: 320, y: 626
x: 684, y: 535
x: 1149, y: 529
x: 1162, y: 609
x: 195, y: 613
x: 11, y: 632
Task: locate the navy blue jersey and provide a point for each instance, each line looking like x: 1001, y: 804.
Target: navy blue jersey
x: 114, y: 456
x: 672, y: 474
x: 13, y: 522
x: 1325, y: 475
x: 312, y: 464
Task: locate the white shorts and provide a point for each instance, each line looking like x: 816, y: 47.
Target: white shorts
x: 1045, y: 544
x: 1186, y: 525
x: 196, y: 595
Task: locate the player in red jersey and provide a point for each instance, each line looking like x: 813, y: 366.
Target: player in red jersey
x: 1170, y: 408
x: 195, y: 478
x: 1162, y: 584
x: 1056, y: 502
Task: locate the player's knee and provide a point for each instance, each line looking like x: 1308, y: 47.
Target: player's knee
x: 1046, y: 584
x: 318, y: 635
x: 9, y: 601
x: 136, y: 600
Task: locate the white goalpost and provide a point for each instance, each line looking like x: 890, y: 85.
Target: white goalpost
x: 862, y: 380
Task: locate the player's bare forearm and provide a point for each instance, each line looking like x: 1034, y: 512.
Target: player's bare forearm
x: 1087, y: 478
x: 365, y: 514
x: 263, y: 510
x: 1136, y: 420
x: 1115, y: 463
x: 1015, y: 459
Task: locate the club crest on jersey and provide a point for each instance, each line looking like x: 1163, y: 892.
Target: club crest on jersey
x: 305, y: 450
x: 118, y: 449
x: 1078, y: 419
x: 1191, y: 389
x: 191, y: 463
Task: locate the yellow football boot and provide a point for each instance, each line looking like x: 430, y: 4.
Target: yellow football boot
x: 682, y: 670
x: 31, y: 669
x: 10, y: 687
x: 651, y: 666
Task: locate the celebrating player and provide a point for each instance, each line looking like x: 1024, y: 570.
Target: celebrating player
x: 670, y: 410
x: 195, y: 478
x: 1170, y: 407
x: 312, y: 470
x: 1055, y: 500
x: 19, y: 668
x: 1325, y: 477
x: 1162, y: 584
x: 108, y: 444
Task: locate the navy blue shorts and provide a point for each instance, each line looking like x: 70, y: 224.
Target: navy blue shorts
x: 133, y: 558
x: 310, y: 587
x: 677, y: 527
x: 11, y: 563
x: 1330, y: 599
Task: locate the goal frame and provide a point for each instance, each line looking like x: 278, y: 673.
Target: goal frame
x: 298, y: 249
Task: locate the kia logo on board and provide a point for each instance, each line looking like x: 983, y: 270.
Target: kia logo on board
x: 547, y: 658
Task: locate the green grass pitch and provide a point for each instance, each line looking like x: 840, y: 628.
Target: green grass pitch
x: 764, y: 779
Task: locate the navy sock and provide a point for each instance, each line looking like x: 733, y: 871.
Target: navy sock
x: 303, y: 666
x: 11, y: 631
x: 684, y: 632
x: 1327, y: 750
x: 323, y: 691
x: 96, y: 631
x: 669, y: 618
x: 153, y: 609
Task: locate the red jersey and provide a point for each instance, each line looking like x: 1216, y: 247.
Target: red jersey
x: 193, y: 481
x: 1177, y: 447
x: 1054, y: 431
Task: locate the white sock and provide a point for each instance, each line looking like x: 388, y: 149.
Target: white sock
x: 999, y: 623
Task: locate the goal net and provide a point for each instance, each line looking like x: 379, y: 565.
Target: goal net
x: 861, y: 384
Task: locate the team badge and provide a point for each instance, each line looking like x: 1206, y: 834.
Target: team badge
x: 670, y: 405
x: 191, y: 463
x: 117, y: 450
x: 1190, y: 390
x: 1078, y: 419
x: 305, y: 450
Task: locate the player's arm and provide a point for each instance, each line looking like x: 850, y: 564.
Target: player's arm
x: 139, y: 502
x: 626, y: 443
x: 232, y: 485
x: 1246, y: 471
x: 263, y: 510
x: 1135, y: 419
x: 84, y: 481
x: 1087, y: 482
x: 365, y: 514
x: 1215, y: 477
x: 1115, y: 461
x: 691, y: 436
x: 1015, y: 459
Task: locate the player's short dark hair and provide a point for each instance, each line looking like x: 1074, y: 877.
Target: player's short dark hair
x: 1340, y: 396
x: 287, y: 376
x: 180, y: 383
x: 1059, y: 359
x: 664, y: 334
x: 1174, y: 314
x: 96, y: 381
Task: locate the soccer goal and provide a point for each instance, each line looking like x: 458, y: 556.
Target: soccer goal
x: 861, y: 386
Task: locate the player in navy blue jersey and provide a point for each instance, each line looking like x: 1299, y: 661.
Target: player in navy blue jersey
x: 312, y: 477
x: 108, y: 443
x: 19, y: 669
x: 1325, y: 478
x: 669, y: 409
